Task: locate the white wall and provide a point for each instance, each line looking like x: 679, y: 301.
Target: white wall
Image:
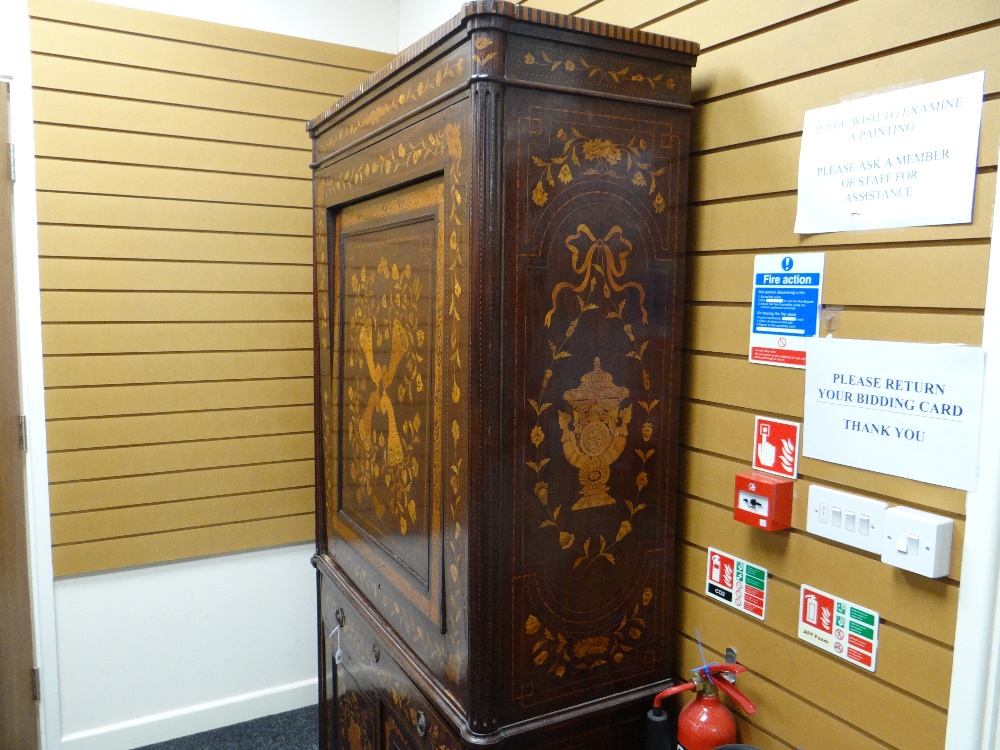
x: 15, y: 67
x: 152, y: 653
x: 371, y: 24
x: 419, y: 17
x: 384, y: 25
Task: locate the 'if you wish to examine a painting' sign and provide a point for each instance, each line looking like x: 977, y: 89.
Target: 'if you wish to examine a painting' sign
x: 900, y: 159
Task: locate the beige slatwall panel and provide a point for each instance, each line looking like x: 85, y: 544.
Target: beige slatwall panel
x: 175, y: 220
x: 765, y: 62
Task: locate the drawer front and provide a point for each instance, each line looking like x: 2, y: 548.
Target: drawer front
x: 376, y: 704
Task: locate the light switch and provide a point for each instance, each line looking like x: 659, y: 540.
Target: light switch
x: 917, y: 541
x: 837, y: 515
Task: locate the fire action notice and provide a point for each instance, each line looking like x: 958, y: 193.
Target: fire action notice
x: 738, y: 583
x: 838, y: 627
x: 785, y: 308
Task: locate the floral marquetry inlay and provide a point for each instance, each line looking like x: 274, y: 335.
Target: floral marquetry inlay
x: 560, y: 654
x: 621, y: 76
x: 586, y: 155
x: 437, y: 80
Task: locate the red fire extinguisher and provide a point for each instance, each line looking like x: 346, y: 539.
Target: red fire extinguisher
x: 704, y: 723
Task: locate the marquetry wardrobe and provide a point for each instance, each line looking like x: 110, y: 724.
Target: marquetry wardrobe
x: 500, y: 226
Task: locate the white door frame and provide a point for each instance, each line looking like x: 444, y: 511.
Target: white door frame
x: 15, y: 67
x: 974, y: 702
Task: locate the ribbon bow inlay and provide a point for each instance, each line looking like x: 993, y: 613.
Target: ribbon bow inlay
x: 611, y: 264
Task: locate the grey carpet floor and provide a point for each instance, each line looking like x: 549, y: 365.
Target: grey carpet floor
x: 293, y: 730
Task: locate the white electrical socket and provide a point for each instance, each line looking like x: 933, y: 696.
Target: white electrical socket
x: 845, y: 518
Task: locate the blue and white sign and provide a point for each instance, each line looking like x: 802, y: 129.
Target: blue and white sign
x: 785, y: 309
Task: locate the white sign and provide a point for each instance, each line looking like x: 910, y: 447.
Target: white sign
x: 910, y: 410
x: 736, y: 582
x: 787, y: 290
x: 838, y: 626
x: 905, y: 158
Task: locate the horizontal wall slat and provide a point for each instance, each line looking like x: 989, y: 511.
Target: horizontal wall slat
x: 892, y: 717
x: 105, y: 338
x: 710, y: 477
x: 556, y: 6
x: 151, y: 213
x: 154, y: 244
x: 911, y: 664
x: 127, y: 49
x: 776, y: 390
x: 100, y: 432
x: 767, y: 223
x: 150, y: 276
x: 160, y: 182
x: 62, y: 403
x: 773, y: 167
x: 174, y: 545
x: 726, y: 329
x: 630, y: 12
x: 73, y: 497
x: 86, y: 77
x: 937, y: 276
x: 778, y: 110
x: 102, y: 113
x: 103, y: 463
x: 60, y: 142
x: 202, y: 32
x: 130, y: 369
x: 718, y: 21
x: 833, y: 39
x: 128, y: 307
x: 729, y: 432
x: 924, y: 605
x: 150, y: 519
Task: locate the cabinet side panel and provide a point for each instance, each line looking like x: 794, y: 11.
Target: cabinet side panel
x: 596, y: 197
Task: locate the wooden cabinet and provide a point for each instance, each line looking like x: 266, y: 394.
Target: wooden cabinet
x: 500, y: 223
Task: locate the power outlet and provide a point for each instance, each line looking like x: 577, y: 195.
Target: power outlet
x: 845, y: 518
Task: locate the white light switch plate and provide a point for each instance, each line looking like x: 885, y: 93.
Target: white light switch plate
x: 917, y: 541
x: 830, y: 516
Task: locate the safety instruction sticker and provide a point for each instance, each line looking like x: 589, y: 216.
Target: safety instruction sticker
x: 785, y: 308
x: 738, y: 583
x: 839, y: 627
x: 776, y: 446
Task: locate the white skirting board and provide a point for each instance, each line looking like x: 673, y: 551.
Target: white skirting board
x: 169, y: 725
x: 163, y: 651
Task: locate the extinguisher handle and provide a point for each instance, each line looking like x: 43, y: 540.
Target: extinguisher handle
x: 720, y: 668
x: 736, y: 695
x: 660, y: 697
